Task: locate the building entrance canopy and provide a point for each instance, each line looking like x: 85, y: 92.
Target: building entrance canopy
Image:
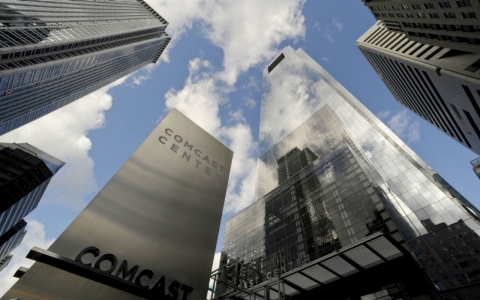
x: 369, y: 252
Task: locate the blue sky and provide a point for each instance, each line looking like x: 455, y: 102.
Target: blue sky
x: 212, y: 72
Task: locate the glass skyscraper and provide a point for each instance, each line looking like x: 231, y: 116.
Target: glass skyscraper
x: 55, y: 52
x: 345, y: 209
x: 25, y: 173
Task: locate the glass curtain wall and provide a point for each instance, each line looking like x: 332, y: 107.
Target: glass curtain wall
x: 330, y: 173
x: 55, y: 52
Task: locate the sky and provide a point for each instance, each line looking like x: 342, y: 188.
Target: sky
x: 212, y: 72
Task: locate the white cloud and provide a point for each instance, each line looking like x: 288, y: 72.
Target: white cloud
x: 384, y: 114
x: 200, y: 100
x: 325, y: 30
x: 253, y: 84
x: 400, y: 124
x: 63, y: 134
x: 248, y: 31
x: 325, y: 59
x: 250, y: 103
x: 35, y: 237
x: 337, y: 24
x: 237, y: 116
x: 138, y: 79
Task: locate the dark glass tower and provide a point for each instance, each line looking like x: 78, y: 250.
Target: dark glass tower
x: 53, y: 53
x: 345, y: 209
x: 25, y: 173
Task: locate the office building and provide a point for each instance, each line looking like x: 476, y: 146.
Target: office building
x: 25, y: 173
x: 12, y: 238
x: 476, y: 166
x: 53, y: 53
x: 5, y: 261
x: 441, y: 85
x: 344, y: 209
x: 450, y: 24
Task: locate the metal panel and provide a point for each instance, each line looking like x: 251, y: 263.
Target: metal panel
x: 160, y: 211
x: 320, y: 274
x: 383, y: 247
x: 339, y: 266
x: 364, y: 257
x: 301, y: 281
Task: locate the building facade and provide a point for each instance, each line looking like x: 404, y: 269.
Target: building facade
x: 12, y: 238
x: 439, y: 84
x: 476, y: 166
x: 25, y: 173
x: 5, y: 261
x: 450, y: 24
x: 53, y: 53
x: 345, y: 209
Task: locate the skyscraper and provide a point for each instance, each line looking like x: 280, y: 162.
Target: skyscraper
x: 441, y: 85
x: 5, y: 261
x: 345, y: 209
x: 12, y: 238
x: 476, y: 166
x: 449, y: 24
x: 53, y: 53
x: 25, y: 173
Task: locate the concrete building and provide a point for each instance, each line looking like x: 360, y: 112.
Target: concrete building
x: 344, y: 209
x: 448, y: 24
x: 53, y: 53
x: 439, y: 84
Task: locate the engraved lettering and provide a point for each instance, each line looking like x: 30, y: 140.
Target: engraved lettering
x: 187, y: 157
x: 174, y: 148
x: 214, y: 164
x: 207, y: 159
x: 198, y: 152
x: 198, y: 162
x: 168, y: 130
x: 208, y: 171
x: 187, y: 145
x: 178, y: 138
x: 164, y: 138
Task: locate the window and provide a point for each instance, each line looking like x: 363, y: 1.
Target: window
x: 400, y: 15
x: 450, y: 15
x: 463, y: 3
x: 396, y: 7
x: 421, y: 15
x: 391, y: 15
x: 434, y: 15
x: 416, y: 6
x: 469, y: 15
x: 409, y: 15
x: 429, y: 5
x: 444, y: 4
x: 404, y: 6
